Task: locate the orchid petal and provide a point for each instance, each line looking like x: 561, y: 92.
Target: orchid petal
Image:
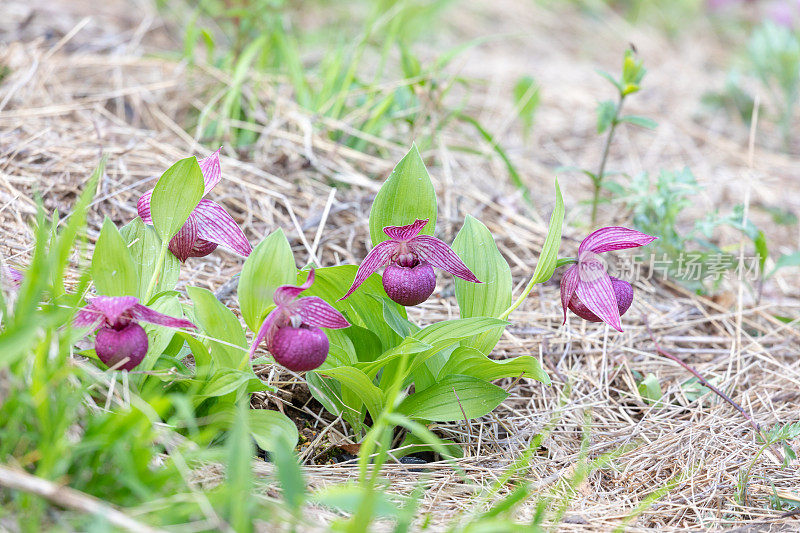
x: 212, y: 173
x: 569, y: 283
x: 266, y: 331
x: 111, y: 307
x: 378, y: 257
x: 88, y: 317
x: 405, y: 233
x: 216, y: 225
x: 614, y: 238
x: 11, y: 275
x: 318, y: 313
x: 143, y: 207
x: 145, y: 314
x: 284, y: 294
x: 597, y: 294
x: 182, y: 243
x: 202, y: 248
x: 438, y: 254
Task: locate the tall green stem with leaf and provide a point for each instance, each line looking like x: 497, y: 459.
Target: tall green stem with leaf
x: 609, y: 115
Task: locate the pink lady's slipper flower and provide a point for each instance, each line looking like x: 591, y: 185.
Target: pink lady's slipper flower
x: 121, y: 342
x: 292, y: 329
x: 409, y: 259
x: 587, y: 289
x: 208, y: 226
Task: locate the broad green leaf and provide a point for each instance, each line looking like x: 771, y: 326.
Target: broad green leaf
x: 471, y: 362
x: 605, y: 115
x: 175, y: 196
x: 226, y: 381
x: 159, y: 336
x: 406, y: 196
x: 399, y: 324
x: 362, y: 308
x: 409, y: 346
x: 327, y: 391
x: 271, y: 429
x: 290, y: 475
x: 366, y: 344
x: 546, y: 264
x: 239, y: 477
x: 144, y: 247
x: 476, y: 247
x: 113, y: 270
x: 453, y: 398
x: 202, y: 357
x: 227, y: 340
x: 360, y: 384
x: 270, y: 265
x: 643, y: 122
x: 762, y: 249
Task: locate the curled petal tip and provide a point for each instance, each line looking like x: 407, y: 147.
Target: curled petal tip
x: 614, y: 238
x: 404, y: 233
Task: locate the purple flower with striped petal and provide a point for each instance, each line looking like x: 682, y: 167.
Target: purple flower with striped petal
x: 208, y: 226
x: 292, y: 329
x: 587, y: 289
x: 409, y: 259
x: 121, y: 342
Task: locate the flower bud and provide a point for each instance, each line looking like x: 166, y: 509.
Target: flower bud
x: 623, y: 292
x: 299, y: 349
x: 409, y: 285
x: 115, y: 345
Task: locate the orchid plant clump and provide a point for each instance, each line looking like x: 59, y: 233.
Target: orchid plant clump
x: 346, y: 327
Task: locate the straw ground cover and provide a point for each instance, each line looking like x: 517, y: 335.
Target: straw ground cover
x: 80, y: 87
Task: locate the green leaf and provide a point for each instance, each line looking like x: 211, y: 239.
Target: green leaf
x: 636, y: 120
x: 227, y: 340
x: 471, y: 362
x: 526, y: 99
x: 399, y: 324
x: 364, y: 308
x: 290, y: 475
x: 762, y: 249
x: 786, y: 260
x: 270, y: 265
x: 610, y: 78
x: 202, y: 357
x: 159, y: 336
x: 113, y: 270
x: 605, y: 115
x: 360, y: 384
x: 546, y: 264
x: 476, y: 247
x: 175, y: 196
x: 271, y: 429
x: 453, y: 398
x: 226, y: 381
x: 144, y: 246
x: 366, y: 344
x: 650, y: 389
x: 407, y: 195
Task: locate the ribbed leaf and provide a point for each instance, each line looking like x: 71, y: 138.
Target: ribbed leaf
x: 476, y: 247
x: 546, y: 264
x: 113, y: 269
x: 471, y: 362
x: 454, y: 398
x: 175, y: 196
x: 406, y: 196
x: 229, y: 345
x: 144, y: 245
x: 270, y: 265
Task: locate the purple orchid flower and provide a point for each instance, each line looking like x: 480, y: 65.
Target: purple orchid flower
x: 409, y: 259
x: 121, y: 342
x: 11, y: 276
x: 208, y: 226
x: 292, y: 329
x: 587, y: 289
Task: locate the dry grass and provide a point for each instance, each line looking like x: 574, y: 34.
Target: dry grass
x: 78, y: 88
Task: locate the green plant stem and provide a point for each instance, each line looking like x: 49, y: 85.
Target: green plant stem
x: 598, y: 178
x: 162, y: 257
x: 529, y: 288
